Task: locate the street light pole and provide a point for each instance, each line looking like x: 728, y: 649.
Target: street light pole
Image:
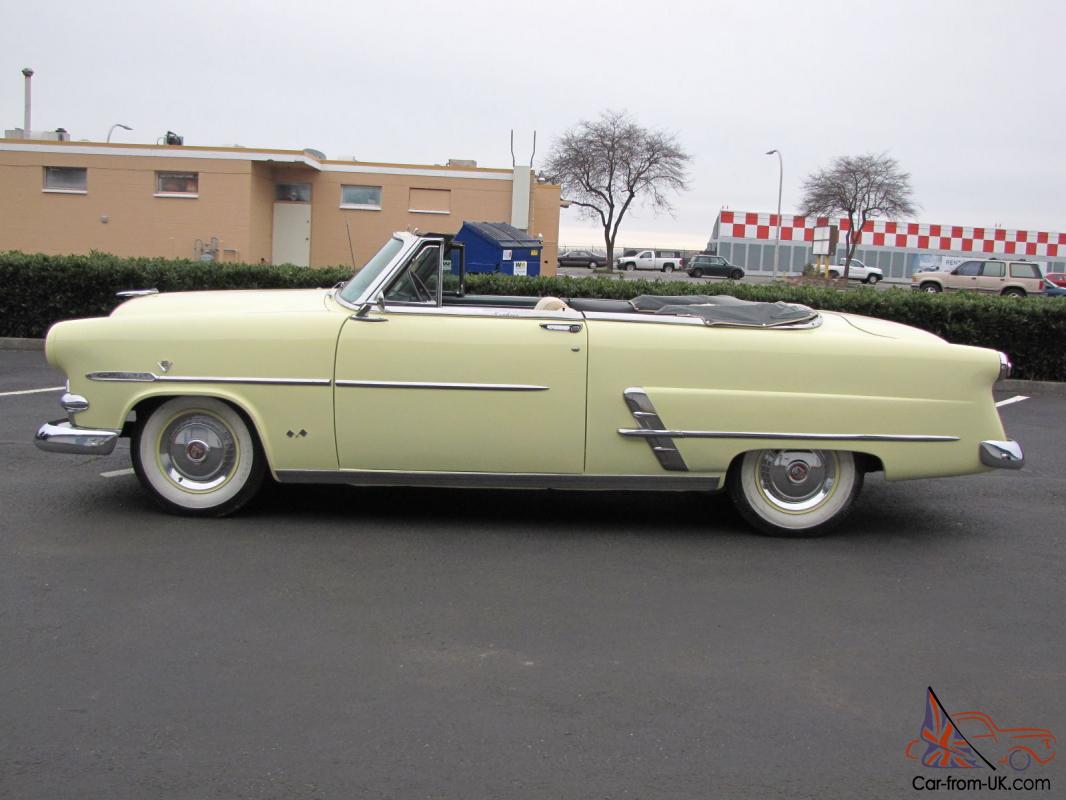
x: 780, y: 182
x: 117, y: 125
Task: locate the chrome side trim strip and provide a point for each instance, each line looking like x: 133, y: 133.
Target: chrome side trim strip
x: 477, y: 387
x: 1003, y: 455
x: 661, y: 443
x: 504, y: 480
x: 669, y: 319
x: 820, y: 437
x: 496, y: 312
x: 151, y: 377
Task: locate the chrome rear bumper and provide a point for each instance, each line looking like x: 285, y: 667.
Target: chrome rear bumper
x: 62, y: 437
x: 1003, y: 455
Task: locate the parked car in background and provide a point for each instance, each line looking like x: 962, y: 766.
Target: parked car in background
x: 1054, y: 290
x: 704, y: 265
x: 582, y: 258
x: 662, y: 260
x: 1057, y: 278
x: 401, y: 378
x: 992, y: 276
x: 857, y: 272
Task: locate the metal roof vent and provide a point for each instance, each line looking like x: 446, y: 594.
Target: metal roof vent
x: 315, y: 153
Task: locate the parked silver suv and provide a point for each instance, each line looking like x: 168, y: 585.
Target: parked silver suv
x: 993, y: 276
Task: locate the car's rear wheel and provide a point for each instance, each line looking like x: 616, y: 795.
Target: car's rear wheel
x: 932, y: 288
x: 668, y: 267
x: 696, y: 273
x: 1014, y: 292
x: 834, y: 274
x: 794, y: 492
x: 872, y: 279
x: 736, y: 275
x: 198, y: 456
x: 592, y: 265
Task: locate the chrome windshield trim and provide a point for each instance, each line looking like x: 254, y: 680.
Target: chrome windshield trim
x: 151, y: 377
x: 410, y: 240
x: 819, y: 437
x: 478, y: 387
x: 505, y: 480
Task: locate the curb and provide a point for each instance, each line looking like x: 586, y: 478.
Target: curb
x: 11, y: 343
x: 1032, y: 387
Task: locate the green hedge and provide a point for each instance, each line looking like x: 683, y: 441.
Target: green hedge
x: 37, y: 290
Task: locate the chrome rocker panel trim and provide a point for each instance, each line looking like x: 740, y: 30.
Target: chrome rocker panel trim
x: 1002, y: 455
x: 151, y: 377
x: 481, y: 387
x: 504, y: 480
x: 62, y: 437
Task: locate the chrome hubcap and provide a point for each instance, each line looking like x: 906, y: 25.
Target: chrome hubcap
x: 198, y: 452
x: 797, y: 480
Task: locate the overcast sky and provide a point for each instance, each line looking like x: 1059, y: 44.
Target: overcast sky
x: 967, y: 95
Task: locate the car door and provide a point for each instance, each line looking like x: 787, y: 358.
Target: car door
x: 424, y: 387
x: 964, y: 277
x: 646, y: 260
x: 717, y: 266
x: 993, y: 276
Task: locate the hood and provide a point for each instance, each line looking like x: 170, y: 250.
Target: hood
x: 244, y: 301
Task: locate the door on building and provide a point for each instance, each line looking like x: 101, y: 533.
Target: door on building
x: 292, y: 224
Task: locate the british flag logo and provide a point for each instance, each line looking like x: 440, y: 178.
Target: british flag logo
x: 945, y: 745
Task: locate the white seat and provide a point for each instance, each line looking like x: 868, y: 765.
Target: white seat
x: 551, y: 304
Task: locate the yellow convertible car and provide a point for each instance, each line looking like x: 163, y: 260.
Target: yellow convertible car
x: 400, y: 378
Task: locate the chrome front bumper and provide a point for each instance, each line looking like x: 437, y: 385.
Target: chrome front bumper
x: 62, y: 437
x: 1003, y: 455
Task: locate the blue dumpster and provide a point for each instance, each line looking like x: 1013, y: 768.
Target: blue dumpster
x: 499, y: 247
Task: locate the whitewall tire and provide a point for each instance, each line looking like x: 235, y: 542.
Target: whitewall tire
x: 794, y: 492
x: 198, y: 456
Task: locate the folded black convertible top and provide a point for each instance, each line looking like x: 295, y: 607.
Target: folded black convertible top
x: 726, y: 310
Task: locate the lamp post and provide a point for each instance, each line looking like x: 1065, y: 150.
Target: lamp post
x: 117, y: 125
x: 780, y: 182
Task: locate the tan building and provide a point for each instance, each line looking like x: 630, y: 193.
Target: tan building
x: 244, y: 204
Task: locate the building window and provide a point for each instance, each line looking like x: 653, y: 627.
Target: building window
x: 292, y: 193
x: 368, y: 197
x: 177, y: 184
x: 69, y: 180
x: 430, y: 201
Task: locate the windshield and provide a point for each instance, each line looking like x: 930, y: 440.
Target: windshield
x: 364, y: 277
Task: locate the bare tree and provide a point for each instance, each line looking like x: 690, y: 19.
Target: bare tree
x: 862, y: 187
x: 605, y: 164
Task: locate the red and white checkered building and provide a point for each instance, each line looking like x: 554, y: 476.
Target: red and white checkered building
x: 899, y: 248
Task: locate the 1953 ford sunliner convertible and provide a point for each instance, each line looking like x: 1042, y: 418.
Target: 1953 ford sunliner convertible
x: 399, y: 378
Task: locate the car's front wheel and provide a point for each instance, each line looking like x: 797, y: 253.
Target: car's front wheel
x: 794, y: 492
x: 736, y: 275
x: 872, y: 278
x: 930, y: 287
x: 198, y: 456
x: 592, y: 265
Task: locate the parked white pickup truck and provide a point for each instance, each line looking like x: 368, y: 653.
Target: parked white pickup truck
x: 857, y: 272
x: 663, y: 260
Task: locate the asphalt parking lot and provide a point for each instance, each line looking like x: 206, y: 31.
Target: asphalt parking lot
x: 343, y: 643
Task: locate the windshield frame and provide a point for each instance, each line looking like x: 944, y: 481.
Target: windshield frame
x: 366, y: 290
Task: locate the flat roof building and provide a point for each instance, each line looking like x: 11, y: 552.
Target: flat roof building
x: 747, y: 238
x: 248, y: 204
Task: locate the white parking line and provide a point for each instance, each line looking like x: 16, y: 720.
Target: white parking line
x: 1016, y: 399
x: 117, y: 473
x: 33, y: 391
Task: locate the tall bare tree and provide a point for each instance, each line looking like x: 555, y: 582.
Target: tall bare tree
x: 862, y: 187
x: 606, y: 164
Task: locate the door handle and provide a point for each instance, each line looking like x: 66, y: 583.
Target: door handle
x: 358, y: 318
x: 561, y: 327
